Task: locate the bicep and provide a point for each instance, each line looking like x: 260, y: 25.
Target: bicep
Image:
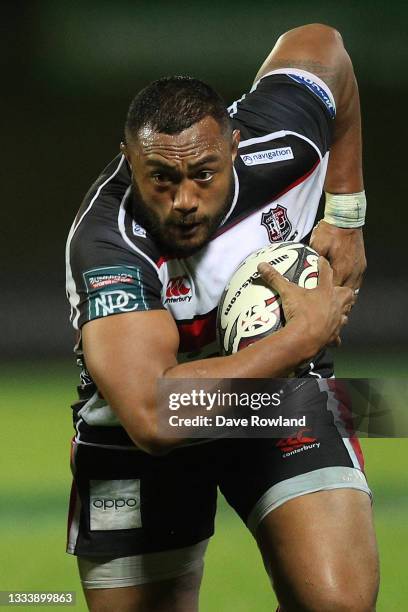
x: 315, y: 48
x: 125, y: 355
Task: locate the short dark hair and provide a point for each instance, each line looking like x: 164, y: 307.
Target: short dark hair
x: 173, y: 104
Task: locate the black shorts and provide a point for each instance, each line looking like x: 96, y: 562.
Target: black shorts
x: 127, y: 502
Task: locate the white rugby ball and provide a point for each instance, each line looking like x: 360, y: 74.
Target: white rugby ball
x: 249, y: 310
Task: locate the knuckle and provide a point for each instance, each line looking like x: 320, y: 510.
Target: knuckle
x: 346, y: 293
x: 265, y: 269
x: 269, y: 275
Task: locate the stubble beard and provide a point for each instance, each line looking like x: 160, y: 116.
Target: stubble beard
x: 161, y: 232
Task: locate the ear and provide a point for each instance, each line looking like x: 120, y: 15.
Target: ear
x: 124, y: 151
x: 236, y: 137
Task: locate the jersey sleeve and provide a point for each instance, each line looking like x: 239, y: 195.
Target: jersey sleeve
x: 287, y: 100
x: 105, y: 276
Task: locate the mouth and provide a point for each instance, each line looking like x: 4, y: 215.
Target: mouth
x: 188, y: 230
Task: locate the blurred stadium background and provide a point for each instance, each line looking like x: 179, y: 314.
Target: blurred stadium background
x: 69, y: 72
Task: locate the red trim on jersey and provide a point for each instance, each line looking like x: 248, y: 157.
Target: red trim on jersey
x: 295, y: 183
x: 343, y: 398
x: 355, y: 443
x: 299, y: 180
x: 162, y: 260
x: 72, y: 505
x: 194, y: 335
x: 74, y: 493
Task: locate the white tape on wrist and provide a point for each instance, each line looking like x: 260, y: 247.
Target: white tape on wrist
x: 346, y: 210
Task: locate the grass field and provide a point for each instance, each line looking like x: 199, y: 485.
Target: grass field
x: 35, y: 434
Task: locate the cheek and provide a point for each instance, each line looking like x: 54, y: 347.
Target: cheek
x: 157, y: 198
x: 217, y: 192
x: 158, y: 201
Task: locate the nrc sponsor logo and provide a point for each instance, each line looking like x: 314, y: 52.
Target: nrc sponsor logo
x: 268, y: 157
x: 114, y: 504
x: 109, y: 302
x: 114, y: 289
x: 319, y: 91
x: 178, y: 290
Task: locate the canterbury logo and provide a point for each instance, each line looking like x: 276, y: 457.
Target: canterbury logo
x: 178, y: 289
x: 177, y: 286
x: 295, y: 442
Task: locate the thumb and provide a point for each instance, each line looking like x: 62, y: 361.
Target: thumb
x: 273, y: 278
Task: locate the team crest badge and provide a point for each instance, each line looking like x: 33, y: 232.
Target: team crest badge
x: 277, y: 223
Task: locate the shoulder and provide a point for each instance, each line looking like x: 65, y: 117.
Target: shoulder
x: 108, y: 235
x: 111, y: 264
x: 104, y: 228
x: 285, y: 98
x: 110, y: 184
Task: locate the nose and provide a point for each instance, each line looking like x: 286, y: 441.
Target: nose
x: 185, y: 200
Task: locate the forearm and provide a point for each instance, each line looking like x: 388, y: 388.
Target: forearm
x: 319, y: 49
x: 344, y: 173
x: 134, y: 396
x: 339, y: 237
x: 272, y: 357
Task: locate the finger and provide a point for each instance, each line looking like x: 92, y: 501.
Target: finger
x: 346, y: 297
x: 325, y: 273
x: 273, y: 278
x: 355, y: 296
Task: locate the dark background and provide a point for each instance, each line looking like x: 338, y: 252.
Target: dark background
x: 69, y: 71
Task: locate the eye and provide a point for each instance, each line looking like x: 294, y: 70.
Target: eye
x: 204, y: 176
x: 161, y: 178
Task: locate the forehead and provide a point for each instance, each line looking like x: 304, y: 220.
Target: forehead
x: 201, y: 138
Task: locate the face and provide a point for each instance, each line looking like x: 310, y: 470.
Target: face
x: 184, y: 183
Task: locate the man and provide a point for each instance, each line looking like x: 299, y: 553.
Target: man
x: 151, y: 249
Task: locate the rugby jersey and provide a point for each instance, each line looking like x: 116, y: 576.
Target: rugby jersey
x: 114, y: 266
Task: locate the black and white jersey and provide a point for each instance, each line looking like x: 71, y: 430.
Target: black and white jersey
x: 113, y: 265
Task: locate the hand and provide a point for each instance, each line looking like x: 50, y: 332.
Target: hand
x: 344, y: 249
x: 320, y: 312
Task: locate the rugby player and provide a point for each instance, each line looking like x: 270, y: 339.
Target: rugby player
x: 193, y: 192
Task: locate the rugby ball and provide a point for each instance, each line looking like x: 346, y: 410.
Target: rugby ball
x: 249, y: 310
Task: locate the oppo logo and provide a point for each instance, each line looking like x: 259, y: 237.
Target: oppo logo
x: 108, y: 504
